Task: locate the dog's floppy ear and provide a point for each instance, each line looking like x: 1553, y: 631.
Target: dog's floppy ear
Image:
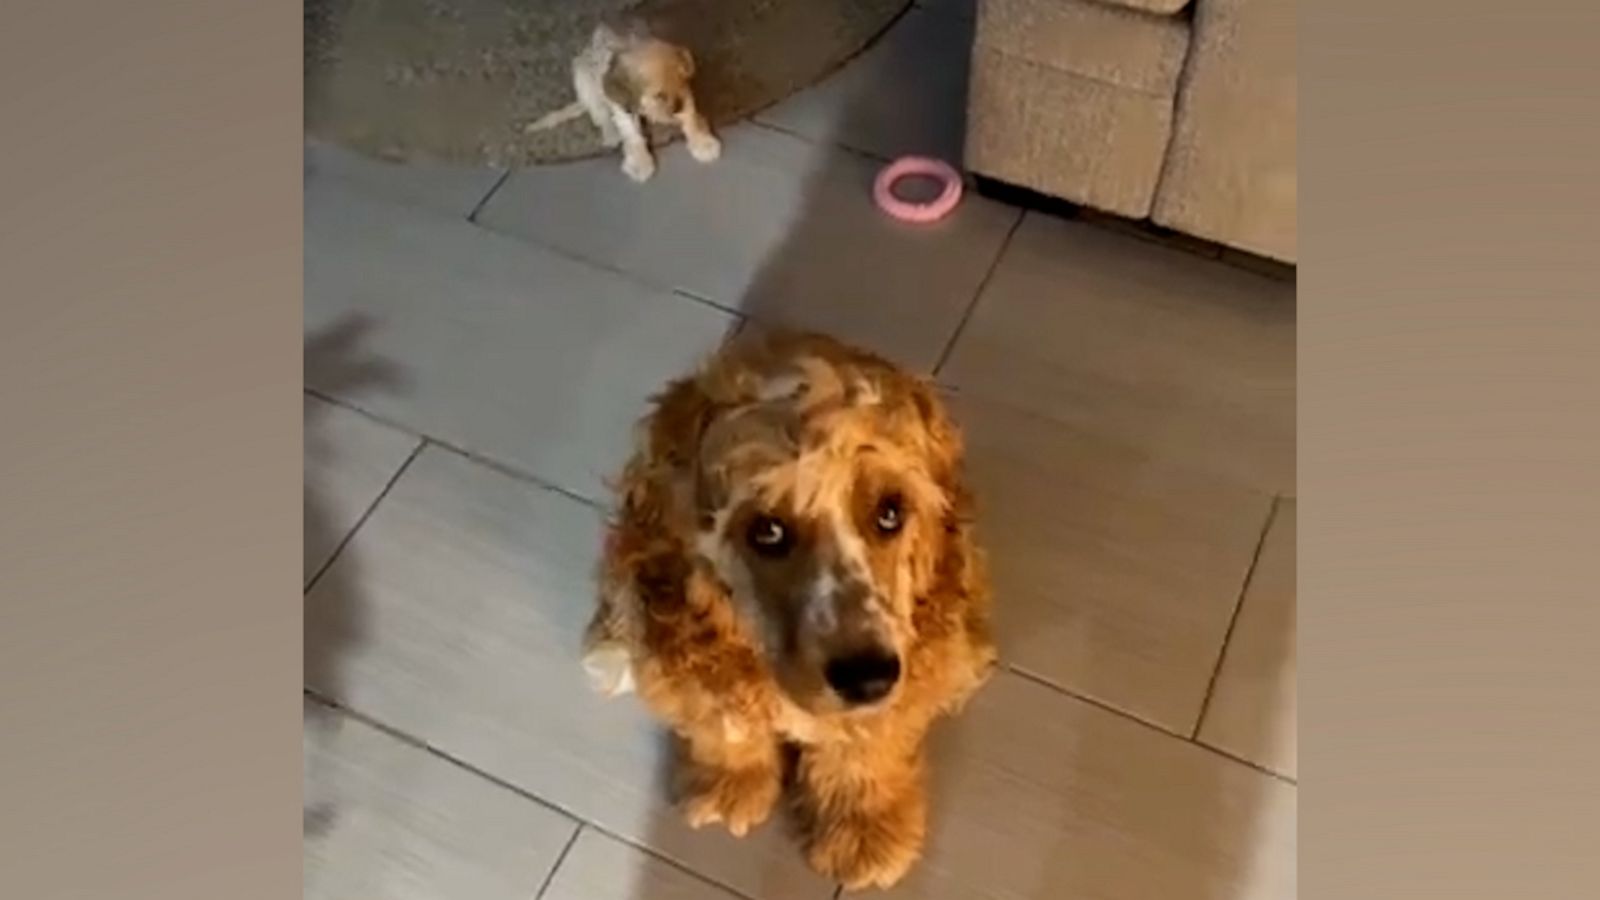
x: 682, y: 412
x: 685, y: 62
x: 944, y: 445
x: 621, y: 85
x: 960, y: 598
x: 668, y: 472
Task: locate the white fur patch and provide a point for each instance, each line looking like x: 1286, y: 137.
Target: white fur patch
x: 865, y: 393
x: 610, y: 669
x: 782, y: 387
x: 852, y: 549
x: 821, y: 613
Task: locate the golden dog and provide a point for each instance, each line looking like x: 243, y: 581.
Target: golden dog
x: 791, y: 583
x: 625, y: 78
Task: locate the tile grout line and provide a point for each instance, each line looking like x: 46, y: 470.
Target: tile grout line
x: 588, y: 261
x: 365, y: 515
x: 514, y: 788
x: 1292, y: 782
x: 424, y: 441
x: 1093, y: 701
x: 418, y: 743
x: 506, y: 469
x: 560, y: 858
x: 977, y: 294
x: 687, y: 294
x: 1081, y: 433
x: 1158, y: 729
x: 1233, y: 619
x: 483, y: 201
x: 511, y: 472
x: 600, y: 265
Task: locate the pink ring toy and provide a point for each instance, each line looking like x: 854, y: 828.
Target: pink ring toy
x: 905, y: 210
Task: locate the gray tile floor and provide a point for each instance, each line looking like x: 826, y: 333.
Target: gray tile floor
x: 477, y: 348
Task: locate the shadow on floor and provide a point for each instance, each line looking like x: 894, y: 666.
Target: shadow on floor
x: 336, y: 623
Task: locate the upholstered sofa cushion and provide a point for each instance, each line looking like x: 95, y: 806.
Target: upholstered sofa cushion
x: 1074, y: 98
x: 1091, y: 39
x: 1230, y: 174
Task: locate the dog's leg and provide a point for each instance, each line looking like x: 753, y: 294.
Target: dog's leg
x: 586, y: 81
x: 637, y: 161
x: 729, y: 773
x: 862, y: 810
x: 703, y: 145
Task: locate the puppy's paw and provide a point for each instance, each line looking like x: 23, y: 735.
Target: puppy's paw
x: 861, y: 851
x: 705, y: 148
x: 639, y: 166
x: 740, y: 799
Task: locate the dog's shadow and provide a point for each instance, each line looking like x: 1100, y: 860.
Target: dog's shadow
x: 335, y: 625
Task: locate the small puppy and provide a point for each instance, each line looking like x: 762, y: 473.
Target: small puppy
x: 626, y: 79
x: 792, y: 573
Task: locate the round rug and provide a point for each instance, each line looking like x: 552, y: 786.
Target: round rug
x: 456, y: 80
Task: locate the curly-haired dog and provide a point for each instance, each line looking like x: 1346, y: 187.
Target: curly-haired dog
x: 792, y: 575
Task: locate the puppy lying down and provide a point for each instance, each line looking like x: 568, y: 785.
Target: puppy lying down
x: 626, y: 78
x: 791, y: 584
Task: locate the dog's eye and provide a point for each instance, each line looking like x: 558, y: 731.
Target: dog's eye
x: 890, y: 515
x: 768, y: 536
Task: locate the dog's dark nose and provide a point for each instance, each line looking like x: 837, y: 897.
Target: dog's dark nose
x: 863, y: 678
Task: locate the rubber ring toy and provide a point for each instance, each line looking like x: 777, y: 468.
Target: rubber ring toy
x: 911, y: 166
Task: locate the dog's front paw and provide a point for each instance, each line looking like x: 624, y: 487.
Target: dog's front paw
x: 639, y: 166
x: 861, y: 851
x: 705, y: 148
x: 740, y: 799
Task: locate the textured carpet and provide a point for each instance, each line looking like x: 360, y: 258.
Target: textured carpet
x: 455, y: 80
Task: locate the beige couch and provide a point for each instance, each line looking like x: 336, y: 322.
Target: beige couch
x: 1179, y: 111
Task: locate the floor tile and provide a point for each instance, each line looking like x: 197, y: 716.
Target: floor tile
x: 906, y: 94
x: 1039, y: 796
x: 1115, y: 573
x: 1252, y: 710
x: 602, y: 868
x: 505, y: 349
x: 471, y: 592
x: 349, y: 460
x: 402, y: 824
x: 450, y: 190
x: 1173, y: 354
x: 780, y: 228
